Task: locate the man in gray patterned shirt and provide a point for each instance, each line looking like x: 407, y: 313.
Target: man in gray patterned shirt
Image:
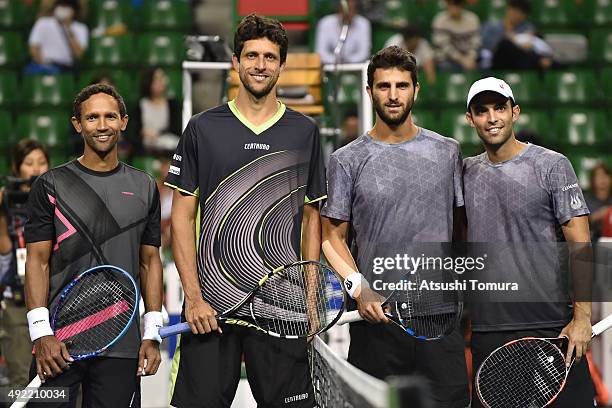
x: 525, y: 196
x: 396, y: 185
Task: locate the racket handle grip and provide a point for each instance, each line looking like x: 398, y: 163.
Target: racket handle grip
x: 175, y: 329
x: 602, y: 326
x: 34, y: 384
x: 349, y: 317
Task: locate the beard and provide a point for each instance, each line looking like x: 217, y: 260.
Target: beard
x: 392, y: 121
x: 258, y: 94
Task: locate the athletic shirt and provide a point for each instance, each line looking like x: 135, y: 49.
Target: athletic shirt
x: 251, y: 183
x: 523, y: 201
x: 396, y: 196
x: 94, y: 218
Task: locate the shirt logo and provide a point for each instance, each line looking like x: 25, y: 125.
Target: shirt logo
x: 575, y: 202
x: 177, y: 157
x: 570, y: 186
x: 256, y: 146
x: 127, y: 193
x: 295, y: 398
x: 175, y: 170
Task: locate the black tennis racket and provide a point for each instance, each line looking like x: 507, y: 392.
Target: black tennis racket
x: 427, y: 311
x: 293, y: 301
x: 93, y: 312
x: 528, y: 372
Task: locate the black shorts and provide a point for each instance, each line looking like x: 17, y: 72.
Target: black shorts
x: 206, y: 369
x: 384, y: 350
x: 106, y: 383
x: 579, y: 391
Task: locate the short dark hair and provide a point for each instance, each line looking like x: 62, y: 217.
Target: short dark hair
x: 253, y: 27
x: 90, y: 91
x: 393, y: 57
x: 522, y: 5
x: 22, y: 149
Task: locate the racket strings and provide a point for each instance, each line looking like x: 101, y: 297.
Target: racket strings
x: 526, y: 373
x: 95, y: 311
x: 302, y: 300
x: 427, y: 312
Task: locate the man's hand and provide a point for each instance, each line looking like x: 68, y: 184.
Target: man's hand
x: 149, y: 358
x: 201, y: 317
x: 369, y: 305
x: 51, y: 357
x: 579, y: 333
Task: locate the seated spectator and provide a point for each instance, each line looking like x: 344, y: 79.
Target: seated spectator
x: 411, y: 40
x: 158, y: 118
x: 599, y: 198
x: 513, y: 43
x: 350, y: 127
x: 456, y: 37
x: 358, y: 41
x: 57, y: 42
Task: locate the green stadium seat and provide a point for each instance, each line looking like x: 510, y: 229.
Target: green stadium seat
x: 12, y: 49
x: 452, y: 88
x: 572, y: 87
x: 526, y: 86
x: 539, y: 122
x: 8, y: 88
x: 166, y: 15
x: 48, y: 90
x: 161, y: 49
x: 146, y: 163
x: 428, y: 93
x: 583, y: 162
x: 6, y: 124
x: 175, y: 83
x: 581, y: 128
x: 601, y: 12
x: 349, y: 89
x: 457, y: 127
x: 600, y: 46
x: 425, y: 118
x: 551, y: 13
x: 105, y: 14
x: 488, y: 10
x: 50, y: 128
x: 606, y: 80
x: 14, y: 15
x: 380, y: 37
x: 111, y: 51
x: 123, y: 81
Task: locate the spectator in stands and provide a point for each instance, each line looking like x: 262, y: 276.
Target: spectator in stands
x: 513, y: 43
x: 358, y: 41
x: 158, y: 118
x: 57, y: 42
x: 599, y: 198
x: 30, y: 159
x: 456, y: 37
x: 350, y: 127
x: 411, y: 40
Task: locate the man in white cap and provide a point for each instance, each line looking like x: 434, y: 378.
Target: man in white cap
x: 523, y: 196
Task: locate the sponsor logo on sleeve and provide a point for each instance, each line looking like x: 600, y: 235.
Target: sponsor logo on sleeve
x: 575, y: 202
x: 177, y: 157
x: 175, y: 170
x: 570, y: 186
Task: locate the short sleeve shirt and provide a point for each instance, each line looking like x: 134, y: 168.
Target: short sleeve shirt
x: 94, y: 218
x: 251, y: 183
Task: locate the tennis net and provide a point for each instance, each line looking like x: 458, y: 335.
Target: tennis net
x: 338, y: 384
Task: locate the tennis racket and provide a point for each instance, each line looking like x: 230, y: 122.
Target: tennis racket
x: 293, y: 301
x: 528, y: 372
x: 93, y: 312
x: 426, y: 314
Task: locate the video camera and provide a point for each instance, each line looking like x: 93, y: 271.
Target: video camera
x: 15, y: 198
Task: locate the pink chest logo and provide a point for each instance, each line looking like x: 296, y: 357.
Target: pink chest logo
x: 127, y: 193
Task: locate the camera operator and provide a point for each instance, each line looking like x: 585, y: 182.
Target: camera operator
x: 30, y: 159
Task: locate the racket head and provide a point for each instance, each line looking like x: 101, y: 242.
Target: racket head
x: 298, y: 300
x: 95, y: 310
x: 428, y: 314
x: 532, y: 368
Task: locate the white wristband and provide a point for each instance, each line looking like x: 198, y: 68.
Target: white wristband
x: 153, y: 321
x: 38, y: 323
x: 354, y: 281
